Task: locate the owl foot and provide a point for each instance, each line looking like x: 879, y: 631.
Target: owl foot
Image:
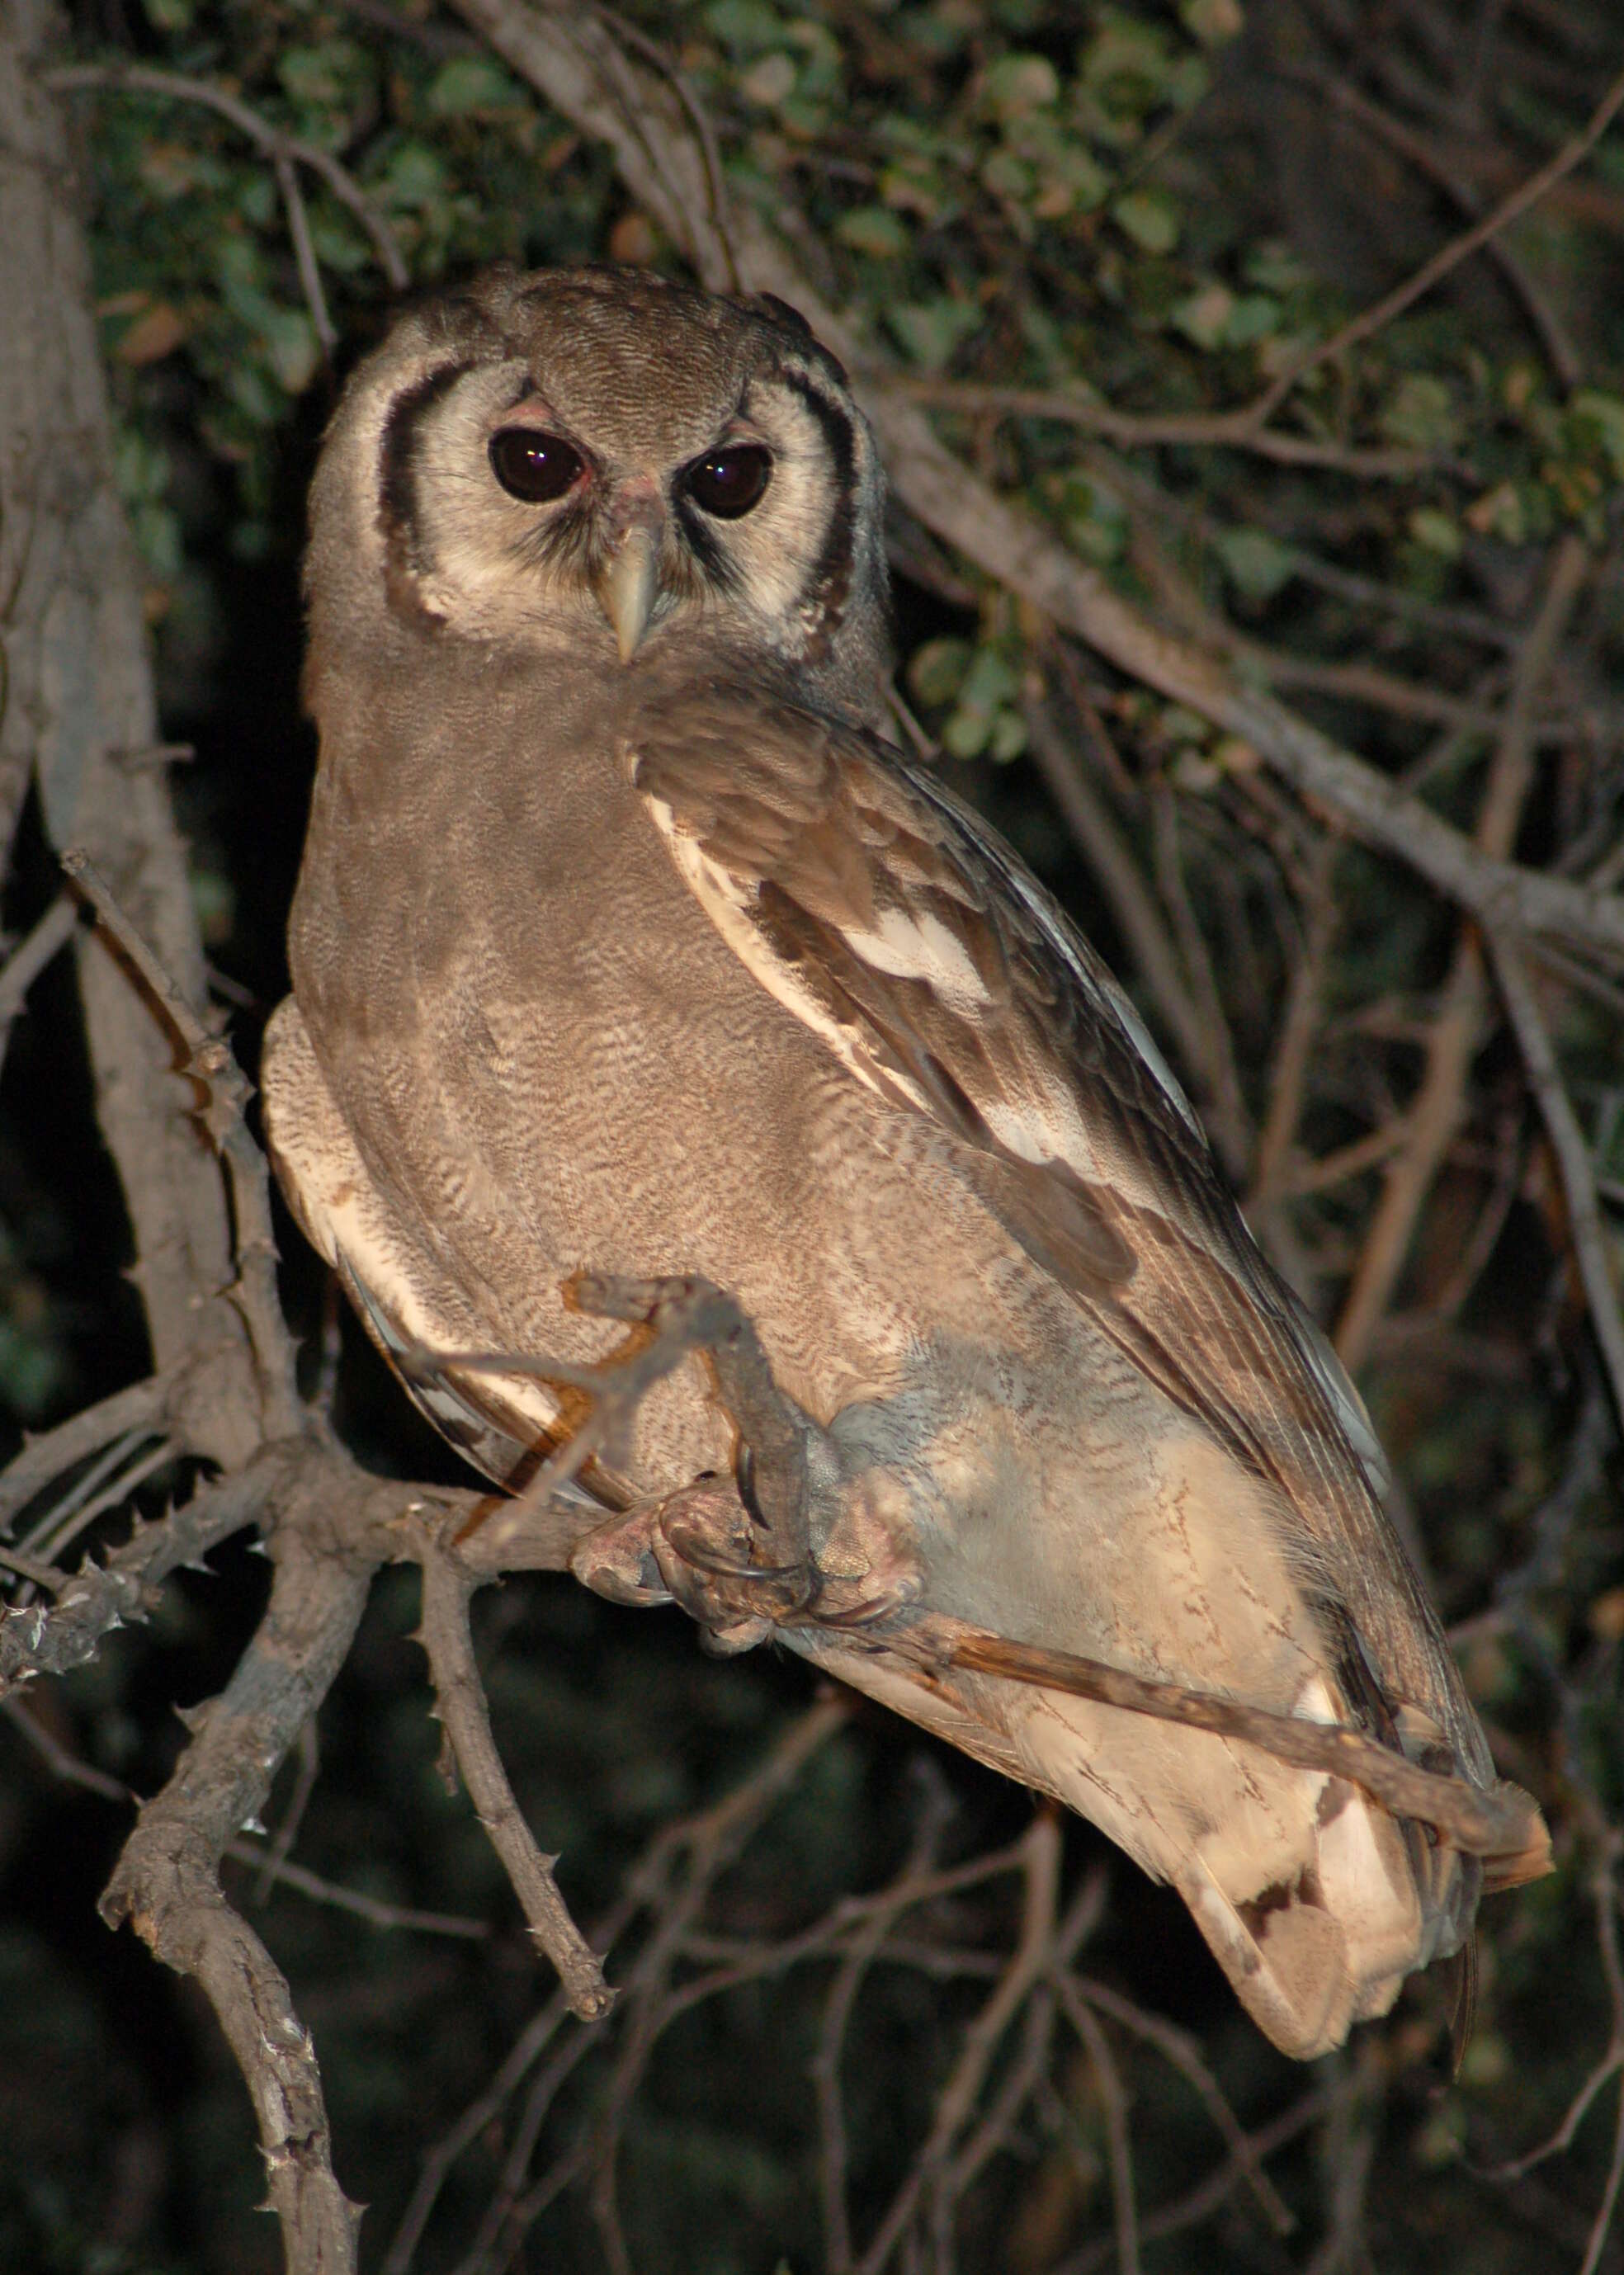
x: 703, y: 1549
x: 768, y: 1549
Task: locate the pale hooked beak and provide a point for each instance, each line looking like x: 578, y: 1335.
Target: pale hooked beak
x: 627, y: 589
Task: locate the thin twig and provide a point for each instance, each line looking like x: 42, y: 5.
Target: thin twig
x: 1114, y: 2102
x: 305, y: 256
x: 72, y: 1770
x: 1502, y: 1824
x: 178, y: 87
x: 102, y: 1596
x: 138, y: 1407
x: 1133, y: 906
x: 1418, y: 152
x: 1440, y: 1104
x: 448, y: 1638
x: 1183, y: 2052
x: 1237, y: 430
x: 210, y: 1060
x: 1447, y: 259
x: 957, y: 2097
x: 30, y: 957
x: 1573, y: 1155
x: 1211, y: 2194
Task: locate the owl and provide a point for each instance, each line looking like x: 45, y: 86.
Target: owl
x: 625, y: 942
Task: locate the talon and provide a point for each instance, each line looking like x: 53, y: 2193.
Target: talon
x: 618, y: 1561
x: 727, y: 1642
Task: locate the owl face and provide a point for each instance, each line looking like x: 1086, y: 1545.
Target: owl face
x: 590, y: 462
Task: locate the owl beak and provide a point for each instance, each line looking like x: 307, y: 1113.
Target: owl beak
x: 627, y: 588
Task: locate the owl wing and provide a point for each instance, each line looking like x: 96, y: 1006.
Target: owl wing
x: 881, y: 911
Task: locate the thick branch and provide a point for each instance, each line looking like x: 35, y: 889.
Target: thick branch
x: 77, y: 696
x: 167, y: 1883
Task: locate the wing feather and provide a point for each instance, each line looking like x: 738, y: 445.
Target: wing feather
x: 880, y: 911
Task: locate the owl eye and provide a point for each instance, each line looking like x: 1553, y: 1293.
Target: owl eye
x: 727, y: 483
x: 534, y: 466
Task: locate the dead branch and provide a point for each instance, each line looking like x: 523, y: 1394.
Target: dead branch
x: 72, y: 590
x: 226, y: 1093
x: 1440, y: 1104
x: 166, y: 1882
x: 1573, y: 1155
x: 446, y: 1636
x: 100, y: 1598
x: 285, y: 151
x: 1502, y: 1824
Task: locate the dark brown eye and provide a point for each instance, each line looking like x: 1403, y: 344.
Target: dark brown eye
x: 534, y: 466
x: 728, y: 482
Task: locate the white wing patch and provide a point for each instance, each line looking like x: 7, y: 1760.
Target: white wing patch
x: 920, y: 947
x: 727, y: 900
x: 1043, y: 1126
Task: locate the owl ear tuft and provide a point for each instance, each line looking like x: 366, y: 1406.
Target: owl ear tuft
x: 782, y: 313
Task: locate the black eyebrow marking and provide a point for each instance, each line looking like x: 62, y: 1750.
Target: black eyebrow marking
x: 397, y: 501
x: 829, y: 584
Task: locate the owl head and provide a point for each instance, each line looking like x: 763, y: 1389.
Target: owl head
x: 598, y: 462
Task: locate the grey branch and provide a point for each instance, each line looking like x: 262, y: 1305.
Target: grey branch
x: 446, y: 1637
x: 167, y: 1884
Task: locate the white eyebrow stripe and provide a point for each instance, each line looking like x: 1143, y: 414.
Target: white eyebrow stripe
x: 916, y: 944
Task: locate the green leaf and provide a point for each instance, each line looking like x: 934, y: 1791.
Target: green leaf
x: 322, y: 76
x: 1255, y: 316
x: 470, y: 84
x: 769, y: 82
x: 1149, y: 217
x: 1257, y: 564
x: 1438, y: 533
x: 1203, y: 316
x: 1008, y: 738
x: 745, y: 26
x: 1016, y: 85
x: 936, y: 671
x: 1213, y: 22
x: 1420, y: 414
x: 292, y: 348
x: 1096, y: 523
x: 932, y: 331
x: 1605, y: 414
x: 872, y: 229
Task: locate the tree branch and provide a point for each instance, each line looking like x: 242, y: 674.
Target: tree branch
x: 448, y: 1585
x: 167, y: 1884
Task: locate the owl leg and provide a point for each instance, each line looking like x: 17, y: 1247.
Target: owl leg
x: 788, y: 1541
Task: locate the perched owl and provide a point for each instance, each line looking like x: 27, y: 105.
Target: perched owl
x: 624, y: 942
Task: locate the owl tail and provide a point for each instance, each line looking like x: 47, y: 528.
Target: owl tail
x: 1315, y: 1900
